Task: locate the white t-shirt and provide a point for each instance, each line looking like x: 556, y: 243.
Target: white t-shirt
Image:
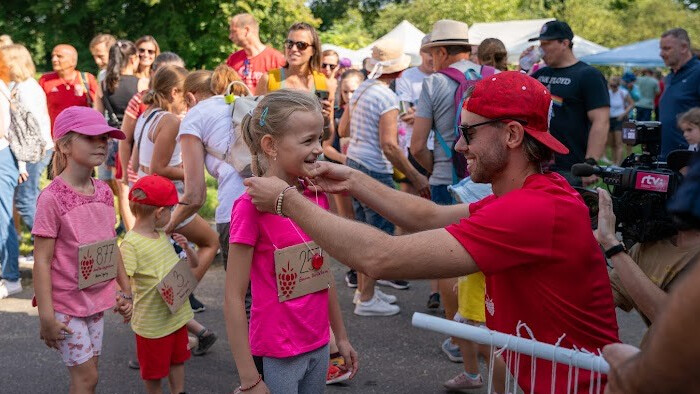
x: 4, y: 114
x: 617, y: 102
x: 210, y: 121
x: 34, y: 100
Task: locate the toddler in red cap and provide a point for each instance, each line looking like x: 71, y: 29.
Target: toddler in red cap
x: 76, y: 260
x: 161, y: 335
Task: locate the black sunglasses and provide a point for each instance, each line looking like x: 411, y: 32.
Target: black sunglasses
x: 465, y: 127
x: 301, y: 45
x: 332, y: 66
x: 150, y: 51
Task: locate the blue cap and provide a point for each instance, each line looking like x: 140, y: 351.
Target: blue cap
x: 629, y: 76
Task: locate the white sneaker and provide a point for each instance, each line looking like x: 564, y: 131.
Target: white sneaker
x: 376, y: 307
x: 391, y: 299
x: 8, y: 288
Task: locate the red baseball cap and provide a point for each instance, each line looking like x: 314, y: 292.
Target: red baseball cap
x: 515, y: 95
x: 83, y: 120
x: 159, y: 191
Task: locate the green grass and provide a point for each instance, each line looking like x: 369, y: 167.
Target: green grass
x: 207, y: 211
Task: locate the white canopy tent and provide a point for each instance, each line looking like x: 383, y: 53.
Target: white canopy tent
x: 404, y: 32
x: 515, y: 36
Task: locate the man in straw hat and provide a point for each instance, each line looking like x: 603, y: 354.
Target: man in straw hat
x: 532, y: 238
x: 371, y: 123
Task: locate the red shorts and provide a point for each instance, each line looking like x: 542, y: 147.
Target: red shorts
x: 156, y: 355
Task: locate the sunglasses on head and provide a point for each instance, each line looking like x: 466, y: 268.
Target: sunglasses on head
x: 301, y: 45
x: 150, y: 51
x: 465, y: 128
x: 332, y: 66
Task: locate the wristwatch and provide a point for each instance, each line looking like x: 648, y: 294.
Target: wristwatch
x: 615, y: 250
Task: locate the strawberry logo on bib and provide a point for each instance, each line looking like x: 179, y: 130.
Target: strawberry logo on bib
x: 287, y: 280
x: 86, y: 266
x: 168, y: 295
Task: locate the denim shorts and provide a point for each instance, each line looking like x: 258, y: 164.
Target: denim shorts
x: 362, y: 212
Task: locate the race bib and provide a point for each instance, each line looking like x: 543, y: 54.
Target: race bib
x: 177, y: 285
x: 300, y: 271
x: 97, y: 262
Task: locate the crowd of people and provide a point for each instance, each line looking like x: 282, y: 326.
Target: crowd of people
x: 456, y: 170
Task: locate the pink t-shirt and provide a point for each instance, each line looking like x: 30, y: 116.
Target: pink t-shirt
x: 75, y: 219
x: 277, y: 329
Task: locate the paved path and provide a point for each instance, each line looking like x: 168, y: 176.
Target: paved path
x: 394, y: 356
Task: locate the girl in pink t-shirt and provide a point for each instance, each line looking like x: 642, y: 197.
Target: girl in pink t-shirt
x: 74, y: 213
x: 284, y: 134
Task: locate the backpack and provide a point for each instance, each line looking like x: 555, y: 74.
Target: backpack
x: 237, y: 153
x: 26, y: 141
x: 465, y: 80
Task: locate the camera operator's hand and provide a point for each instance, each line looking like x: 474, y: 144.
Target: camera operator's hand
x: 589, y: 180
x: 605, y: 233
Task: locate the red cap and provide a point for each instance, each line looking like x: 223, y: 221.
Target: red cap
x: 518, y: 96
x: 83, y: 120
x: 159, y: 191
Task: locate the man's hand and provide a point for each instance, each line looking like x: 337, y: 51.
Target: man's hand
x: 617, y: 355
x: 605, y: 233
x: 264, y: 191
x: 330, y: 177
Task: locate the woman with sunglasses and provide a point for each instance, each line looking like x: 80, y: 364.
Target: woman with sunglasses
x: 302, y: 70
x: 148, y: 50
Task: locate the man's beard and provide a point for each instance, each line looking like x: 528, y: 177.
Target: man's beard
x: 490, y: 164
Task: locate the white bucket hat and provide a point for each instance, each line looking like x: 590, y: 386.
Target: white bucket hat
x: 448, y: 32
x: 387, y: 58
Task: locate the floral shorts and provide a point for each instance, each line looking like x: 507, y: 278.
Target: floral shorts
x: 86, y: 340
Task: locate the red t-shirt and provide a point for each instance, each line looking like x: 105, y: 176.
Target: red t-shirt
x: 136, y: 106
x: 259, y: 65
x: 61, y: 94
x: 543, y: 267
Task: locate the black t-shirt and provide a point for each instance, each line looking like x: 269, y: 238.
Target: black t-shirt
x: 575, y: 90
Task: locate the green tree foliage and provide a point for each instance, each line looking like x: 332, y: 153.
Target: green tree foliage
x: 348, y: 32
x: 607, y: 22
x: 196, y: 30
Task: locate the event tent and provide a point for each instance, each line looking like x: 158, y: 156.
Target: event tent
x: 404, y: 32
x: 515, y: 36
x: 639, y: 54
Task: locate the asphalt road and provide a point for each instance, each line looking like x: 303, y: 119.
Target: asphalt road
x: 394, y: 356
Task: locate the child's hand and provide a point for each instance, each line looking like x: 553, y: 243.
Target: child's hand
x: 260, y: 388
x: 51, y: 331
x: 181, y: 241
x: 350, y: 355
x: 124, y: 307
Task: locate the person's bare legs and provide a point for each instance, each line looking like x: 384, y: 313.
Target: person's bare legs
x: 176, y: 379
x: 83, y: 377
x: 619, y: 147
x: 153, y: 386
x: 366, y: 286
x: 499, y: 369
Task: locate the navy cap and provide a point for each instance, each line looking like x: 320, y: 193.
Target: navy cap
x: 555, y: 30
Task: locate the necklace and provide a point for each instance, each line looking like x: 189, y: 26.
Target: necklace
x: 65, y: 83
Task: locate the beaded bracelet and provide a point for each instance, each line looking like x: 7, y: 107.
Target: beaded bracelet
x: 125, y: 296
x: 250, y: 387
x: 280, y: 198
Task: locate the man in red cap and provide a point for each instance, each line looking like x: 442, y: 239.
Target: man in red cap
x: 532, y: 238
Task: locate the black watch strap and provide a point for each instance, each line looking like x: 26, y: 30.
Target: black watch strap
x: 615, y: 250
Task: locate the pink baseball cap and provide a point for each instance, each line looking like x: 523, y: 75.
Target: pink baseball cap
x: 83, y: 120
